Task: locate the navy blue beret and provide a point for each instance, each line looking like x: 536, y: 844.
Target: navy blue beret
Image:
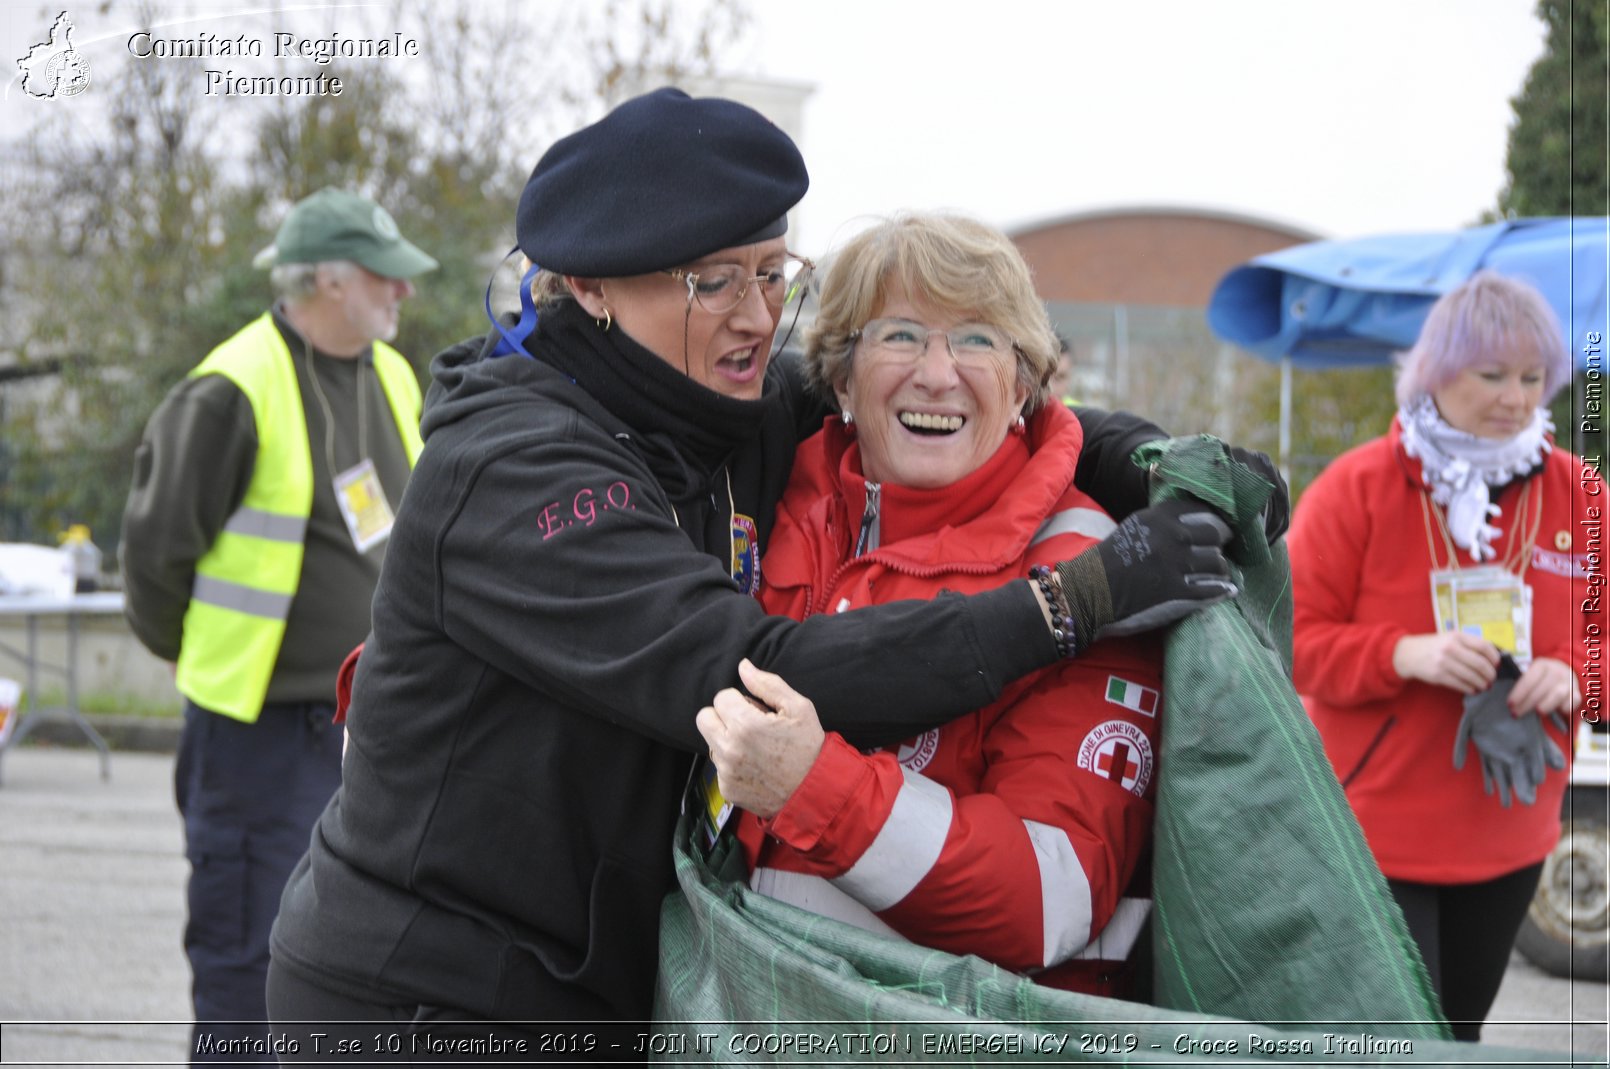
x: 662, y: 180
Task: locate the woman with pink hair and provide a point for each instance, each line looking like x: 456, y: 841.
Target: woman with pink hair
x: 1432, y: 572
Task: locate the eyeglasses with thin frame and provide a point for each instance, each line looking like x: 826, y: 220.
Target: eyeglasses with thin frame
x: 718, y: 288
x: 903, y: 341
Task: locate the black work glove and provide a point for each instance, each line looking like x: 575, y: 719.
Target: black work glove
x: 1277, y: 510
x: 1514, y: 750
x: 1161, y: 564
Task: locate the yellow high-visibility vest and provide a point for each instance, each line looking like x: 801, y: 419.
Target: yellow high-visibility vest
x: 244, y: 584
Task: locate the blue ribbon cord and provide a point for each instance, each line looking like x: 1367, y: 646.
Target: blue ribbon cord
x: 514, y: 341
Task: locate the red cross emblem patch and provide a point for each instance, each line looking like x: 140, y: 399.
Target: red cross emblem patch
x: 916, y: 753
x: 1118, y: 751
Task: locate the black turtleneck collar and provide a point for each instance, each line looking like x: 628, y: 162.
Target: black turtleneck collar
x: 646, y: 393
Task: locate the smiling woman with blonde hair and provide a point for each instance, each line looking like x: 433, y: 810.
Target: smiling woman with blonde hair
x: 1015, y: 832
x: 1439, y: 714
x: 956, y: 262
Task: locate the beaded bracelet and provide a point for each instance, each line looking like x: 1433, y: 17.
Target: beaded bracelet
x: 1061, y: 616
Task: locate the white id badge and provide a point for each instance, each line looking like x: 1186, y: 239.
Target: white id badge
x: 363, y: 505
x: 1495, y: 605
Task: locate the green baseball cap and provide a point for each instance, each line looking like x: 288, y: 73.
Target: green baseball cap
x: 334, y: 224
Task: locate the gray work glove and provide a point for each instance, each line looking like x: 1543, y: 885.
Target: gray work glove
x: 1514, y: 750
x: 1161, y: 564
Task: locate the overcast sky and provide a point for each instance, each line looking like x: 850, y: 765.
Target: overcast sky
x: 1341, y: 117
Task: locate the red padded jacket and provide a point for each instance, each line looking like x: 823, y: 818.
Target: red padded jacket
x: 1013, y: 832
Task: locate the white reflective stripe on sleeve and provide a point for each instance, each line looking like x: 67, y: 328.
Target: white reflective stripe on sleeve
x: 817, y: 895
x: 273, y: 526
x: 1064, y: 892
x: 1087, y: 522
x: 1117, y: 939
x: 906, y: 847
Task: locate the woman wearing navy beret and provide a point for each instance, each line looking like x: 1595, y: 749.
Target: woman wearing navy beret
x: 571, y: 575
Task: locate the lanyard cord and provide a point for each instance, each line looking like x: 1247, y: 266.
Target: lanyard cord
x: 1427, y: 507
x: 329, y: 420
x: 732, y: 508
x: 732, y: 520
x: 732, y: 511
x: 1519, y: 556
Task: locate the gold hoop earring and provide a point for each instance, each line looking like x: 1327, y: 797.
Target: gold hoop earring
x: 607, y: 321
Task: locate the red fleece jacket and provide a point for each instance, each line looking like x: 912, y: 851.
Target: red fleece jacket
x: 1361, y: 561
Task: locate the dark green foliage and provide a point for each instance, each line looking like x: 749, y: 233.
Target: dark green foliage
x: 1556, y: 162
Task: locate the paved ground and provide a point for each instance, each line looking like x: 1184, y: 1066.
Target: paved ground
x: 91, y: 909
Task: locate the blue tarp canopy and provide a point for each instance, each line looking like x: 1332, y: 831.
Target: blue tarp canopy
x: 1357, y: 302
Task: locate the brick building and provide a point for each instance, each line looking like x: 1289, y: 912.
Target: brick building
x: 1129, y: 287
x: 1145, y: 256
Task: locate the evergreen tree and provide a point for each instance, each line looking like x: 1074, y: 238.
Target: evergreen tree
x: 1557, y: 160
x: 1556, y: 164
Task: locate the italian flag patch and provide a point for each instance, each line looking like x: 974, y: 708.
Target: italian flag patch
x: 1132, y: 696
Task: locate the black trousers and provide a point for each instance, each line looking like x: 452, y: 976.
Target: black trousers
x: 249, y: 795
x: 1465, y: 932
x: 316, y: 1026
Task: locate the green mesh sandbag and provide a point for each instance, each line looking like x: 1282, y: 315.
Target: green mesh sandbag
x: 747, y: 980
x: 1269, y: 908
x: 1268, y: 905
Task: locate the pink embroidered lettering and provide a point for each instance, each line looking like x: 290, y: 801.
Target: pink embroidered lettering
x: 582, y: 506
x: 583, y: 509
x: 547, y: 520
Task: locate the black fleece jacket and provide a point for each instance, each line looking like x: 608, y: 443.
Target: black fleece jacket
x: 556, y: 604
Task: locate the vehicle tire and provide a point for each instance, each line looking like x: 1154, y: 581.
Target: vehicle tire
x: 1567, y: 928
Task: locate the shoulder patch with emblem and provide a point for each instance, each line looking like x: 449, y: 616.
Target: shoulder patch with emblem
x: 916, y: 753
x: 1119, y: 751
x: 745, y: 555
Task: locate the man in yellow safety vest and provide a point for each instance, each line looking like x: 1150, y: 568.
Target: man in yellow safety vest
x: 257, y: 521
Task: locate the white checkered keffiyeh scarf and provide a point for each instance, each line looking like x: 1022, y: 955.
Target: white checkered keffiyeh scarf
x: 1459, y: 467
